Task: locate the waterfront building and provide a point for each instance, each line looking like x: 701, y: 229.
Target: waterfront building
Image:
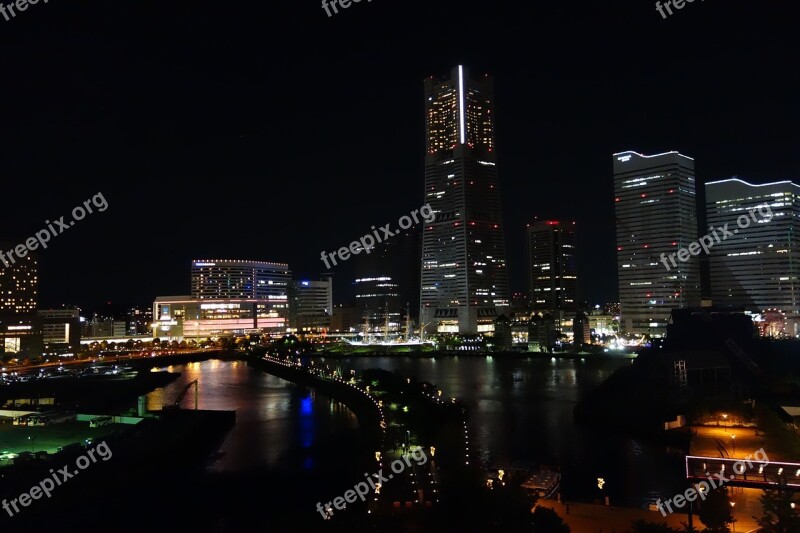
x: 758, y: 268
x: 464, y: 282
x: 311, y: 305
x: 221, y: 279
x: 229, y: 297
x: 184, y: 317
x: 656, y: 215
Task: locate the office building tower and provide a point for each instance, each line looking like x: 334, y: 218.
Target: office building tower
x: 758, y: 267
x: 552, y: 266
x: 19, y: 286
x: 235, y: 279
x: 311, y: 305
x: 379, y: 305
x: 656, y: 215
x: 464, y: 282
x: 19, y: 297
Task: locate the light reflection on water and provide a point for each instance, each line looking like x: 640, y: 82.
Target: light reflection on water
x: 521, y: 410
x: 278, y: 424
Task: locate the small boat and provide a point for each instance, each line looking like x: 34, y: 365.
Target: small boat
x: 543, y: 482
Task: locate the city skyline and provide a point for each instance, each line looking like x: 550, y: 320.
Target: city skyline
x: 556, y: 128
x: 420, y: 266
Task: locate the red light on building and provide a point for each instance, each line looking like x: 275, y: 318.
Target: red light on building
x: 616, y: 199
x: 643, y: 195
x: 619, y: 248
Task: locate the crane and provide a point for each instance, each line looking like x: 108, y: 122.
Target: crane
x: 177, y: 404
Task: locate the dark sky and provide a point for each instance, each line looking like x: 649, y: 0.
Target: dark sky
x: 266, y: 130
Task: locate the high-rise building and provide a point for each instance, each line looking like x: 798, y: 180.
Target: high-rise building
x: 378, y: 303
x: 757, y: 268
x: 221, y: 279
x: 552, y: 265
x: 464, y: 282
x: 656, y: 213
x: 311, y: 304
x: 387, y: 284
x: 19, y: 286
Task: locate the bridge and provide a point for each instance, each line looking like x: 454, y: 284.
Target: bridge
x: 750, y: 472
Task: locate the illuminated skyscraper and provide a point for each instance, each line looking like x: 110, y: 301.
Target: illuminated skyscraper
x: 656, y: 213
x: 19, y: 286
x: 19, y: 298
x: 552, y: 266
x: 759, y: 267
x: 464, y: 282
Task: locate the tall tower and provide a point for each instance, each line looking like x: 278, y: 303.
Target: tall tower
x: 552, y: 266
x: 19, y: 297
x: 19, y: 283
x: 656, y: 213
x: 758, y: 268
x: 464, y: 282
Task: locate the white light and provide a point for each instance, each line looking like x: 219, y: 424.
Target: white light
x: 461, y: 101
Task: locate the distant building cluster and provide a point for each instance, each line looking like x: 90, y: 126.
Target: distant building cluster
x: 757, y: 270
x: 450, y: 279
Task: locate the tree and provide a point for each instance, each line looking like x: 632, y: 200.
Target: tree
x: 715, y: 511
x: 546, y: 520
x: 779, y: 516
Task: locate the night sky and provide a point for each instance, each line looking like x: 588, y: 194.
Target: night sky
x: 270, y: 131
